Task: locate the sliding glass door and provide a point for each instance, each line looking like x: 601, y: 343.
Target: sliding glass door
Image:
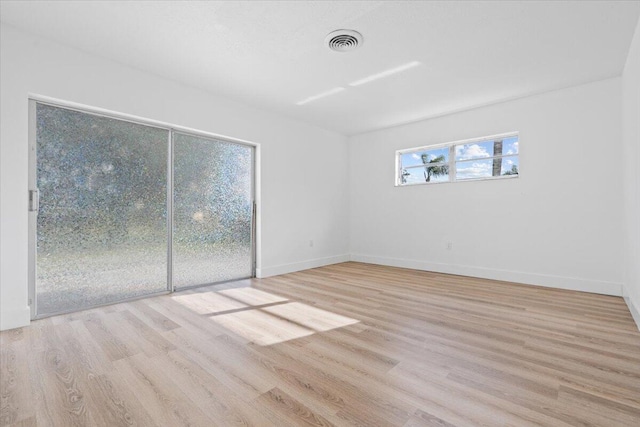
x: 101, y: 223
x: 109, y: 222
x: 213, y: 201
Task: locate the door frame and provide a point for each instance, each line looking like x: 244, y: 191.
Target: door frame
x: 33, y: 100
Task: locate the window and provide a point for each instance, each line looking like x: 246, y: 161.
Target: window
x: 491, y: 157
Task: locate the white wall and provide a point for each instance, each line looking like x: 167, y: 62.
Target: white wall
x: 303, y: 168
x: 559, y: 224
x: 631, y: 159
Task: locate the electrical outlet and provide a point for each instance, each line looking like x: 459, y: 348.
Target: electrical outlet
x: 449, y: 246
x: 310, y: 243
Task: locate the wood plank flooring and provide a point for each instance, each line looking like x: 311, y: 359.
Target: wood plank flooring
x: 346, y: 345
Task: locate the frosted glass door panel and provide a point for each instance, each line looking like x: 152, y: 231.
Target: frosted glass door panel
x: 101, y: 226
x: 212, y: 211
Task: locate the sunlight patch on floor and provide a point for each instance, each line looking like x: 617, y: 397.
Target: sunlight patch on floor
x: 261, y: 328
x: 226, y: 300
x: 252, y: 296
x: 262, y: 317
x: 310, y: 317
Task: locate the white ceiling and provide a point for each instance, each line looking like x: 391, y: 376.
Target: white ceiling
x: 271, y: 54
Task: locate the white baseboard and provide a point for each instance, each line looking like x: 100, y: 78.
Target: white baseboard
x: 15, y: 318
x: 298, y: 266
x: 635, y: 311
x: 571, y: 283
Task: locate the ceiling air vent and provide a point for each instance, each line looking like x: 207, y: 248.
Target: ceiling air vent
x: 343, y: 40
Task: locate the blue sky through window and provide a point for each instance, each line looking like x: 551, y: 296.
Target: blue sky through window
x: 415, y: 158
x: 418, y: 175
x: 483, y: 168
x: 478, y: 150
x: 474, y: 160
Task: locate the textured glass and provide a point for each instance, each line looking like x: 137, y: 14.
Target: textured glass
x: 212, y: 211
x: 101, y: 228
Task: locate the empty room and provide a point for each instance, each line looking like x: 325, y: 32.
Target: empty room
x: 325, y: 213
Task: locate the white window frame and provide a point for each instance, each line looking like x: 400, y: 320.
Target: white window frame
x: 452, y: 162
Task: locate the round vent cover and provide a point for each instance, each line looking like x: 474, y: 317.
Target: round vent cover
x: 343, y: 40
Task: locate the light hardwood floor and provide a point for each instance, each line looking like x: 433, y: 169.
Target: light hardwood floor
x: 348, y: 345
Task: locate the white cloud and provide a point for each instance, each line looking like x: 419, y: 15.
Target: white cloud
x: 514, y: 148
x: 475, y: 170
x: 471, y: 151
x: 416, y: 156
